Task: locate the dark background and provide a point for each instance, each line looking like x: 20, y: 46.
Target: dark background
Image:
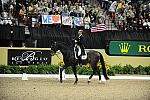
x: 46, y: 35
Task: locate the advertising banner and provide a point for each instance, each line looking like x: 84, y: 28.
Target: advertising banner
x: 129, y: 48
x: 28, y: 57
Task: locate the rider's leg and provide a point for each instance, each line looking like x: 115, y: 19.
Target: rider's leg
x: 82, y: 50
x: 80, y: 61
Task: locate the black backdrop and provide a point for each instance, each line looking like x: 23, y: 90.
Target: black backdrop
x: 45, y: 36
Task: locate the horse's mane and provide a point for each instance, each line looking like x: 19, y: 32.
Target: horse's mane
x: 64, y: 44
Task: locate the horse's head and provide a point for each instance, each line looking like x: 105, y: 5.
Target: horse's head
x: 62, y: 46
x: 54, y: 47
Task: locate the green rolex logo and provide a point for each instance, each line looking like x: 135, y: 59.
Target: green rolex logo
x: 124, y: 47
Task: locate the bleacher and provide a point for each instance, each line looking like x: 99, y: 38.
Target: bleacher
x: 22, y: 22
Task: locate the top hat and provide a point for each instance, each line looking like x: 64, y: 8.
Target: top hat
x: 80, y: 31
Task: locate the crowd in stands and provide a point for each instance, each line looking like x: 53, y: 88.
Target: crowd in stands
x: 123, y: 14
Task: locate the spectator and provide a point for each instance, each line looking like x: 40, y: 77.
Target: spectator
x: 146, y: 24
x: 121, y: 20
x: 6, y: 18
x: 140, y: 22
x: 87, y: 22
x: 112, y: 10
x: 22, y: 12
x: 126, y: 13
x: 129, y: 17
x: 120, y: 7
x: 98, y: 12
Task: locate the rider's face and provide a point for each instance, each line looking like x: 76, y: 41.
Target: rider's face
x: 79, y: 33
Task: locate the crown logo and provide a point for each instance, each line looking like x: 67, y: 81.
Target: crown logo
x: 124, y: 47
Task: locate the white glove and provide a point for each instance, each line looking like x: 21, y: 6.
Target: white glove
x: 75, y: 41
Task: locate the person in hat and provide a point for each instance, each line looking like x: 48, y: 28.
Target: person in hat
x: 80, y: 42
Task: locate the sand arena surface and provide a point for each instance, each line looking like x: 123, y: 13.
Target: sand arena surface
x: 51, y: 89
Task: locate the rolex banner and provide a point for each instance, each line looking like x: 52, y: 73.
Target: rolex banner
x: 129, y: 48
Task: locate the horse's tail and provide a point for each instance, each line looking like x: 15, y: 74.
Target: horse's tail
x: 103, y: 66
x: 102, y: 60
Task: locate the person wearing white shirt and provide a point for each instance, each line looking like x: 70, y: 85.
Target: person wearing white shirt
x: 112, y: 9
x: 146, y: 24
x: 87, y: 22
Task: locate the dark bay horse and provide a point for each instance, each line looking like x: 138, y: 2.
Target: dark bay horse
x: 93, y: 58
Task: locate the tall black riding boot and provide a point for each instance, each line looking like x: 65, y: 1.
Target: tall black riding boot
x: 80, y: 61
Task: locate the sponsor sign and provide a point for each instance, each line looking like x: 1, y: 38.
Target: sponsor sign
x: 28, y: 57
x: 129, y: 48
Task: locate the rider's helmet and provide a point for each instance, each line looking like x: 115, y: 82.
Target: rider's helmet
x: 80, y: 32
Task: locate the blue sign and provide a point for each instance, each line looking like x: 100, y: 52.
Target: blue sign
x: 47, y: 19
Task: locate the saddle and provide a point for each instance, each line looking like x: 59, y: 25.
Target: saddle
x: 79, y: 53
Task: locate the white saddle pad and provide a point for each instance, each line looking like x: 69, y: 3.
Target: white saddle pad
x: 83, y: 57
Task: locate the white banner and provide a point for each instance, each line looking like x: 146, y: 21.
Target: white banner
x: 47, y: 19
x: 78, y: 21
x: 56, y: 19
x: 51, y: 19
x: 66, y: 20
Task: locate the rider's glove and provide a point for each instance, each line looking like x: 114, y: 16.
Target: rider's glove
x: 75, y: 41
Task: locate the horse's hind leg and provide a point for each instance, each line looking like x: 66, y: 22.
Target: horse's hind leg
x: 94, y: 71
x: 99, y: 74
x: 89, y: 80
x: 103, y: 67
x: 104, y: 72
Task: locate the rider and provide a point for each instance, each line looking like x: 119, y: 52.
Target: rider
x: 80, y: 42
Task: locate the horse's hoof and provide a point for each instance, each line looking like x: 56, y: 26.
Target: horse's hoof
x: 107, y: 78
x: 75, y: 83
x: 89, y: 81
x: 99, y: 81
x: 60, y: 81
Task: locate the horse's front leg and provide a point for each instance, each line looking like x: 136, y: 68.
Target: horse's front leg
x: 75, y: 73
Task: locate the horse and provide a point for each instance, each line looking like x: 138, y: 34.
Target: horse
x: 93, y: 57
